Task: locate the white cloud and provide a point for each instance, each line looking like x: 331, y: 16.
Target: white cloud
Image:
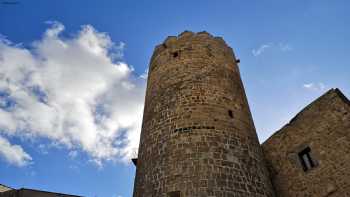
x: 308, y: 85
x: 13, y: 154
x: 73, y: 154
x: 144, y: 75
x: 73, y: 92
x: 315, y: 86
x: 261, y: 49
x: 284, y: 47
x: 43, y: 149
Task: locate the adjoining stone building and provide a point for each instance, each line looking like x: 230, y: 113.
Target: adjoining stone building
x: 6, y: 191
x: 4, y: 188
x: 198, y: 138
x: 310, y: 156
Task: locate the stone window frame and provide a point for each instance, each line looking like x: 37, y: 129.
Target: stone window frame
x: 307, y: 162
x: 230, y: 113
x: 174, y: 194
x: 313, y: 156
x: 175, y: 54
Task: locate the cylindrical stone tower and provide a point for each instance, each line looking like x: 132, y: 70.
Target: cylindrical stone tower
x: 198, y: 138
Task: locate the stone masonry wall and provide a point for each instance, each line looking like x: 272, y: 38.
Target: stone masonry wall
x: 3, y: 188
x: 324, y: 127
x: 198, y: 138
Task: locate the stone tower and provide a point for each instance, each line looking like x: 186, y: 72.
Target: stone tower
x: 198, y: 138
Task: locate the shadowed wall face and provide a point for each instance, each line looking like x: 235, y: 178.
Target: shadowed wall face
x: 198, y: 136
x: 311, y: 155
x: 32, y: 193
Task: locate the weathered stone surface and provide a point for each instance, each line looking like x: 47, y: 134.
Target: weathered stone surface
x: 186, y: 34
x: 4, y: 188
x: 198, y: 138
x: 324, y: 126
x: 32, y: 193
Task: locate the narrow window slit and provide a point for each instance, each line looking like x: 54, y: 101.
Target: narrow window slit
x: 230, y: 113
x: 175, y: 54
x: 305, y: 159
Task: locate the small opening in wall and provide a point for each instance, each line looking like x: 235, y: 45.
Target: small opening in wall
x: 134, y: 161
x: 305, y: 159
x: 175, y: 54
x: 174, y: 194
x: 230, y: 113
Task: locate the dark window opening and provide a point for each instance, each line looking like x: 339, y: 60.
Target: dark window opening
x: 134, y: 161
x: 306, y: 160
x: 230, y: 113
x: 174, y: 194
x: 175, y: 54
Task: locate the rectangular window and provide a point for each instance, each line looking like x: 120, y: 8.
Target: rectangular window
x: 306, y: 160
x: 230, y: 113
x: 174, y: 194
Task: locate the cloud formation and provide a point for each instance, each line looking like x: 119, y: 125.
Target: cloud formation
x: 284, y: 47
x: 315, y: 86
x: 73, y: 92
x: 261, y: 49
x: 13, y: 154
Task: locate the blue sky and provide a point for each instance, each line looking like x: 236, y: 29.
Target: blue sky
x: 72, y: 77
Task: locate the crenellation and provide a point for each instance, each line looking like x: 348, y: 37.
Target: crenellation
x: 170, y: 41
x: 187, y: 41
